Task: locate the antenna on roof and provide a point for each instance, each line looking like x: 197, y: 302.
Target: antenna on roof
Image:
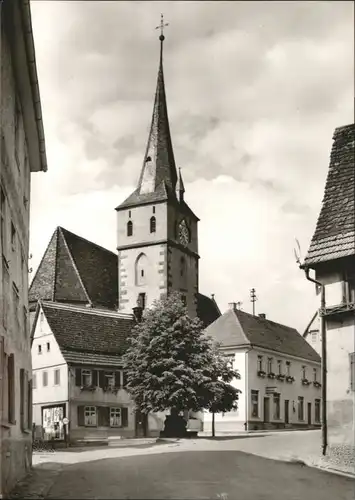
x: 253, y: 299
x: 297, y: 252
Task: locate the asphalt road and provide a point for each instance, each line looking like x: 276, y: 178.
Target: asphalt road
x: 225, y: 475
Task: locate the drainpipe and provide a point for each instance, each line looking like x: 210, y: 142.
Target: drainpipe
x: 324, y: 362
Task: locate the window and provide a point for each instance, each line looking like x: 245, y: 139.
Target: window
x: 182, y: 266
x: 86, y: 378
x: 141, y: 300
x: 317, y: 411
x: 279, y: 366
x: 115, y: 417
x: 57, y: 377
x: 254, y: 403
x: 153, y: 210
x: 314, y: 336
x: 153, y: 224
x: 129, y: 228
x: 352, y: 371
x: 260, y: 363
x: 109, y: 379
x: 304, y: 372
x: 269, y: 365
x: 315, y: 375
x: 276, y: 406
x: 288, y: 368
x: 11, y: 388
x: 45, y: 379
x: 129, y: 213
x: 141, y: 269
x: 5, y: 294
x: 184, y: 301
x: 13, y: 236
x: 300, y: 408
x: 230, y: 359
x: 34, y: 381
x: 39, y: 349
x: 16, y: 302
x: 23, y: 399
x: 48, y: 346
x: 90, y: 416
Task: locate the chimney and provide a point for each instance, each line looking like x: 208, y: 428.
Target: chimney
x: 233, y: 306
x: 138, y: 313
x: 262, y: 316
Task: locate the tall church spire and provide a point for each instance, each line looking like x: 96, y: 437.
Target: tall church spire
x: 159, y: 163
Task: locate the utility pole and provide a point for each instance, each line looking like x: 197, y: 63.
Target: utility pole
x: 253, y: 299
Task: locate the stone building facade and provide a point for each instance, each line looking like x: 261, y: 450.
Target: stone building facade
x: 22, y: 151
x: 331, y: 256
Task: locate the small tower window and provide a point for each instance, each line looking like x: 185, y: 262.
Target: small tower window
x: 153, y: 210
x: 129, y: 228
x: 129, y: 214
x: 153, y: 224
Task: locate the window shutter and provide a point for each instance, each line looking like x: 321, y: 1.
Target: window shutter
x: 81, y: 417
x: 103, y: 416
x: 124, y: 417
x: 102, y: 380
x: 29, y: 408
x: 94, y: 378
x: 11, y: 388
x: 22, y: 398
x: 78, y: 377
x: 117, y: 379
x: 124, y: 377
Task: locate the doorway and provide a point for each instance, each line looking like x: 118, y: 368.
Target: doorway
x: 266, y: 410
x: 287, y: 411
x: 141, y: 424
x: 309, y: 413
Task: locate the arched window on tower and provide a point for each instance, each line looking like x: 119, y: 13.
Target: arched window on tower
x: 183, y: 273
x: 129, y: 228
x: 141, y: 269
x: 153, y: 224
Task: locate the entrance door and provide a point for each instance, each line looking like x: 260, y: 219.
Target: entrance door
x: 266, y: 410
x: 309, y: 413
x: 286, y: 411
x: 141, y: 424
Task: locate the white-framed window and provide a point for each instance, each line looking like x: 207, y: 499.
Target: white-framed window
x: 315, y: 374
x: 57, y: 376
x: 260, y: 363
x: 39, y: 349
x: 115, y: 417
x: 109, y: 379
x: 90, y: 416
x: 45, y: 379
x: 304, y: 372
x: 269, y: 365
x: 86, y: 378
x: 48, y: 346
x: 288, y: 368
x: 279, y: 366
x: 254, y: 403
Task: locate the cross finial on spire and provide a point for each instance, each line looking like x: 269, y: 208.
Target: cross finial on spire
x: 161, y: 27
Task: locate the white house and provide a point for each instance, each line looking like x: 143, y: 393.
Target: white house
x: 280, y: 374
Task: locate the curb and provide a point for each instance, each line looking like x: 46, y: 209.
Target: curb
x: 331, y: 470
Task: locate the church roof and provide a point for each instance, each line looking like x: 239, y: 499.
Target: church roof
x: 207, y: 309
x: 334, y: 236
x: 88, y: 336
x: 158, y: 177
x: 236, y: 328
x: 75, y: 270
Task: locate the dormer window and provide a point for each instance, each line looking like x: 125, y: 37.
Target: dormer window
x: 153, y: 224
x: 129, y: 228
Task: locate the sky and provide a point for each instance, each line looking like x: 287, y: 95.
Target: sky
x: 254, y: 91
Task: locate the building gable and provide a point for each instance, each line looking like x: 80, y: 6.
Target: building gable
x: 49, y: 353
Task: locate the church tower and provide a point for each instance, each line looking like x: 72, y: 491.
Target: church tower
x: 156, y: 230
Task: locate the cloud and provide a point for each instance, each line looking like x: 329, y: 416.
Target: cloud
x: 254, y: 93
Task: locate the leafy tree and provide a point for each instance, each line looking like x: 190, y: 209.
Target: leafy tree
x: 171, y: 364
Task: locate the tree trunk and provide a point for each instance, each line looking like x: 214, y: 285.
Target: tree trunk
x: 213, y: 425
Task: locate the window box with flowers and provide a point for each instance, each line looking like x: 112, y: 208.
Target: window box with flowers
x: 280, y: 377
x: 306, y: 382
x: 261, y: 373
x: 271, y: 375
x: 290, y: 379
x: 317, y: 384
x: 90, y: 388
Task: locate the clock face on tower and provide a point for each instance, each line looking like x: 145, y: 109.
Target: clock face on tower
x: 184, y: 234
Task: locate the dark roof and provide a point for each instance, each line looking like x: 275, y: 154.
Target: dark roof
x: 75, y: 270
x: 88, y: 334
x: 238, y: 328
x: 334, y: 236
x: 207, y: 309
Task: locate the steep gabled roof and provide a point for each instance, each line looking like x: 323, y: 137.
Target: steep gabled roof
x: 207, y: 309
x: 334, y: 236
x: 238, y: 328
x: 75, y: 270
x: 88, y: 334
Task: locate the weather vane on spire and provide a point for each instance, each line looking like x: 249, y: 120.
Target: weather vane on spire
x: 161, y: 27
